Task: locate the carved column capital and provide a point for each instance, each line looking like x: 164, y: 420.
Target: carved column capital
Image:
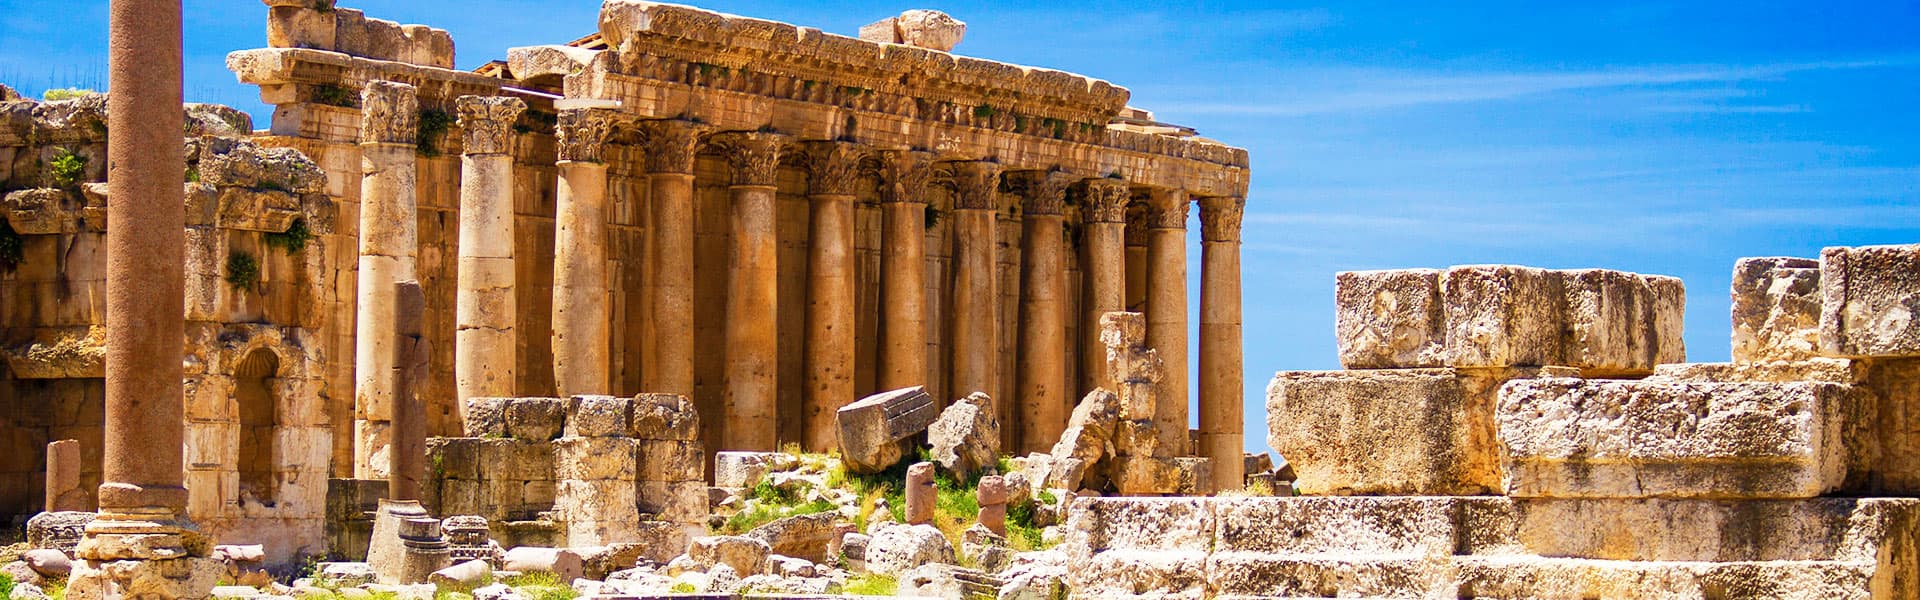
x: 389, y: 113
x: 1167, y: 209
x: 976, y: 185
x: 752, y: 158
x: 1220, y: 218
x: 486, y: 123
x: 905, y: 175
x: 583, y: 133
x: 832, y: 167
x: 1105, y: 200
x: 671, y: 145
x: 1041, y: 192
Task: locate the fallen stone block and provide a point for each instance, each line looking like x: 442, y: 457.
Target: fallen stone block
x: 1391, y: 431
x: 897, y: 548
x: 743, y: 554
x: 1087, y: 440
x: 58, y: 530
x: 1592, y: 438
x: 802, y: 536
x: 563, y: 563
x: 871, y: 428
x: 746, y: 469
x: 1389, y: 319
x: 1870, y: 298
x: 966, y: 437
x: 467, y: 574
x: 1776, y: 309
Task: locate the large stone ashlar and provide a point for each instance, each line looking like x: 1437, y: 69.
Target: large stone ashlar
x: 1776, y: 309
x: 1573, y: 438
x: 1604, y: 322
x: 1870, y: 301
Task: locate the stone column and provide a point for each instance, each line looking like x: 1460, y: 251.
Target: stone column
x: 992, y: 499
x: 903, y: 269
x: 142, y: 544
x: 411, y: 352
x: 390, y: 116
x: 1222, y: 387
x: 753, y: 336
x: 920, y: 495
x: 1167, y: 310
x: 976, y: 322
x: 63, y: 477
x: 1103, y: 207
x: 670, y: 147
x: 1136, y: 237
x: 1042, y: 378
x: 582, y: 362
x: 485, y: 349
x: 832, y: 168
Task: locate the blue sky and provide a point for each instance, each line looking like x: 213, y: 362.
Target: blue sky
x: 1667, y: 138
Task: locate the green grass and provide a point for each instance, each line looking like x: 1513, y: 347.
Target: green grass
x: 871, y: 584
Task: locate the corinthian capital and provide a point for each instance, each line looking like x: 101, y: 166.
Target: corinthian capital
x: 1105, y: 200
x: 583, y: 133
x: 832, y: 167
x: 1220, y: 218
x: 389, y: 113
x: 904, y: 175
x: 486, y: 123
x: 671, y: 145
x: 1041, y: 192
x: 1167, y: 209
x: 752, y: 158
x: 976, y: 185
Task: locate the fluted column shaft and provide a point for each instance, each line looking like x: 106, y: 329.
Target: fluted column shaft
x: 903, y: 270
x: 670, y: 155
x: 831, y: 170
x: 389, y: 124
x: 1103, y: 234
x: 976, y: 322
x: 1042, y: 375
x: 485, y: 348
x: 1167, y: 310
x: 582, y: 357
x: 752, y: 331
x: 1222, y: 383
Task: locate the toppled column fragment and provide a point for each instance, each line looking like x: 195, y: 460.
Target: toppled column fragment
x: 870, y: 430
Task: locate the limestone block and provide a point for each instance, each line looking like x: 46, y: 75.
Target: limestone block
x: 1870, y: 297
x: 1389, y: 319
x: 454, y: 458
x: 587, y: 458
x: 1578, y: 579
x: 897, y: 548
x: 586, y: 501
x: 1613, y: 321
x: 299, y: 27
x: 1402, y: 431
x: 1776, y: 309
x: 1594, y: 438
x: 1661, y: 529
x: 562, y: 562
x: 383, y: 39
x: 536, y: 419
x: 745, y: 469
x: 664, y: 417
x: 529, y: 62
x: 675, y: 501
x: 1145, y: 475
x: 966, y: 437
x: 670, y: 460
x: 871, y: 428
x: 57, y: 530
x: 930, y: 29
x: 1894, y: 468
x: 349, y: 32
x: 803, y: 536
x: 743, y: 554
x: 1138, y: 546
x: 1669, y: 319
x: 598, y: 416
x: 1090, y: 430
x: 1501, y: 315
x: 1358, y: 525
x: 1196, y: 476
x: 1835, y: 370
x: 516, y: 459
x: 1344, y: 576
x: 661, y: 541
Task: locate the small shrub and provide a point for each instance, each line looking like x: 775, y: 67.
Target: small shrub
x: 6, y: 584
x: 984, y: 111
x: 933, y: 217
x: 333, y: 95
x: 433, y: 124
x: 243, y: 271
x: 293, y: 240
x: 67, y: 168
x: 66, y: 94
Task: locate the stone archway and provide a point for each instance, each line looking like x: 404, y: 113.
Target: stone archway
x: 254, y: 386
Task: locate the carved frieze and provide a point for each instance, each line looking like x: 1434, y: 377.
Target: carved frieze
x: 1104, y: 200
x: 671, y: 145
x: 976, y: 185
x: 583, y: 133
x: 1041, y: 192
x: 752, y: 158
x: 486, y: 123
x: 832, y: 167
x: 1220, y: 218
x: 389, y: 113
x: 905, y: 175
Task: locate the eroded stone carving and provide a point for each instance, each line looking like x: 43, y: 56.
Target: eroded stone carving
x: 389, y: 113
x: 1105, y: 200
x: 976, y: 185
x: 1220, y: 218
x: 753, y: 159
x: 486, y: 123
x: 832, y: 168
x: 1041, y: 192
x: 905, y: 175
x: 583, y: 133
x: 671, y: 145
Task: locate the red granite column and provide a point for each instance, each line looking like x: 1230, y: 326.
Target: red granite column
x: 670, y: 147
x: 831, y: 171
x: 753, y: 284
x: 903, y: 269
x: 408, y: 457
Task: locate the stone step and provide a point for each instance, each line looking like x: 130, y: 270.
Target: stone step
x: 1579, y: 579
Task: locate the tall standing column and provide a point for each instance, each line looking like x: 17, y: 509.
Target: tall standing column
x: 143, y: 497
x: 1167, y: 310
x: 1136, y: 255
x: 904, y: 176
x: 832, y: 168
x: 670, y: 147
x: 485, y: 349
x: 976, y: 322
x: 1222, y: 387
x: 390, y: 116
x: 1103, y: 234
x: 582, y: 362
x: 753, y: 283
x: 1042, y: 377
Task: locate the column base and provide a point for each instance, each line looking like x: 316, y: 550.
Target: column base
x: 143, y: 554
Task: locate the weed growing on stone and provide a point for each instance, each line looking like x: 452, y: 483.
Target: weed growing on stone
x: 67, y: 168
x: 871, y: 584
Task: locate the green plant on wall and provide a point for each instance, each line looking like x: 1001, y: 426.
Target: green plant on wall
x: 67, y: 169
x: 12, y: 246
x: 293, y: 240
x: 333, y: 95
x: 933, y: 217
x: 434, y: 124
x: 243, y: 271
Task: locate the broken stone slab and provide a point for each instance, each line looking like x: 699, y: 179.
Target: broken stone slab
x: 664, y: 417
x: 745, y: 469
x: 743, y: 554
x: 800, y: 536
x: 1776, y: 309
x: 920, y: 28
x: 871, y: 428
x: 966, y: 437
x: 562, y: 562
x: 1571, y: 438
x: 1870, y: 298
x: 1389, y: 319
x: 1087, y: 440
x: 1391, y: 431
x: 896, y: 548
x: 466, y: 574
